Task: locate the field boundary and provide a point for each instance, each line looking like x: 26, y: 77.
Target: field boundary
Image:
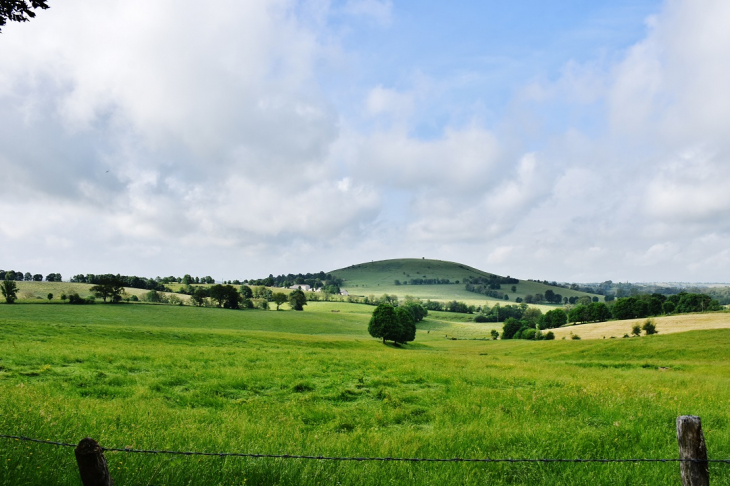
x: 693, y: 460
x: 360, y: 459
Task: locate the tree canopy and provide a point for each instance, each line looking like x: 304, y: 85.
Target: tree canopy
x: 392, y: 324
x: 110, y: 287
x: 9, y: 290
x: 19, y: 10
x: 297, y: 300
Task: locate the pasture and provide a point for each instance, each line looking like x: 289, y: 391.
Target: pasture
x: 314, y: 382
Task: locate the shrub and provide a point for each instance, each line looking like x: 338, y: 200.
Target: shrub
x: 575, y: 337
x: 76, y: 299
x: 529, y: 333
x: 50, y: 296
x: 636, y: 330
x: 649, y: 327
x: 134, y: 298
x: 480, y: 318
x: 64, y: 297
x: 549, y: 336
x: 495, y: 334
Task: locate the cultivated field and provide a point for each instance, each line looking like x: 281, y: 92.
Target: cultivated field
x: 664, y: 324
x: 314, y: 382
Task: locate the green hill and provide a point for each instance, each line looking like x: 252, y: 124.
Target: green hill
x: 380, y: 277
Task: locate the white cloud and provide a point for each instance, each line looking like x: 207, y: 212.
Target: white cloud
x: 169, y: 133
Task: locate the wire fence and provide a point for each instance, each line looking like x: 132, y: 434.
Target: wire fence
x: 362, y: 459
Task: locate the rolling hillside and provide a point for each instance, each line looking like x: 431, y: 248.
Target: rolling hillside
x: 379, y: 277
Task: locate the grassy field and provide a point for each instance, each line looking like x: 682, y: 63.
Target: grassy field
x: 665, y: 325
x: 379, y: 278
x: 38, y: 291
x: 314, y: 382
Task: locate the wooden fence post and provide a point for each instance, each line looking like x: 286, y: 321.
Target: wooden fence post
x: 92, y: 464
x: 692, y: 446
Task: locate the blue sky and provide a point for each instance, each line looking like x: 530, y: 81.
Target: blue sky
x: 572, y: 141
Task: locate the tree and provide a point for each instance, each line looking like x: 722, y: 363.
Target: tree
x: 19, y: 10
x: 553, y: 319
x: 384, y: 324
x: 109, y: 287
x: 279, y: 298
x: 198, y: 296
x: 636, y: 330
x: 50, y: 296
x: 37, y: 277
x: 511, y: 327
x: 9, y: 290
x: 494, y: 334
x: 246, y: 292
x: 406, y: 326
x: 225, y: 295
x: 297, y: 299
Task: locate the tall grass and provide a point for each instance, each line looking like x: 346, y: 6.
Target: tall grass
x: 315, y: 383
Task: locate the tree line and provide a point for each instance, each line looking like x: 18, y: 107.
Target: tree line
x: 28, y: 277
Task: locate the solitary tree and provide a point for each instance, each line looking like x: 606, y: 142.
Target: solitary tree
x: 406, y: 325
x: 9, y: 290
x: 111, y: 288
x: 297, y: 299
x: 279, y: 298
x: 384, y: 323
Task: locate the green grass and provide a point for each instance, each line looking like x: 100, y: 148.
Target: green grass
x: 378, y: 278
x: 37, y: 292
x: 314, y: 382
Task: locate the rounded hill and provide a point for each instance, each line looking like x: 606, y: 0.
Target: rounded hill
x: 436, y: 280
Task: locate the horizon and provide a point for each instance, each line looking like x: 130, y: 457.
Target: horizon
x: 552, y: 140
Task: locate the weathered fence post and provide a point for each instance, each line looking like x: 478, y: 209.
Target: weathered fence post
x: 692, y: 446
x: 92, y: 464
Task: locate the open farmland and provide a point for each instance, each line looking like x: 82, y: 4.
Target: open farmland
x: 665, y: 325
x: 314, y: 382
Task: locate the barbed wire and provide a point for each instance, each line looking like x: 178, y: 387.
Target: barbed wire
x: 362, y: 459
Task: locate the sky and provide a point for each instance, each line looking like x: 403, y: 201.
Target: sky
x: 562, y: 140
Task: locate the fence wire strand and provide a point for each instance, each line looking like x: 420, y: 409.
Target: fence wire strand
x: 362, y: 459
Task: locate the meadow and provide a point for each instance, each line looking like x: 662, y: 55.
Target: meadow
x: 315, y: 383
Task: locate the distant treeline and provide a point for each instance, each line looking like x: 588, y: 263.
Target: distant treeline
x: 28, y: 277
x: 131, y: 281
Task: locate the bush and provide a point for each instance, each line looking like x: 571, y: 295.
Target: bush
x: 50, y: 296
x: 636, y: 330
x: 529, y: 333
x: 494, y: 334
x: 649, y: 327
x: 134, y: 298
x: 76, y: 299
x: 549, y: 336
x: 575, y: 337
x: 481, y: 318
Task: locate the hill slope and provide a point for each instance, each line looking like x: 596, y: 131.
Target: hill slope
x: 379, y: 277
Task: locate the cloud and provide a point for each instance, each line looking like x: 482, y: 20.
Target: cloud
x: 145, y: 135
